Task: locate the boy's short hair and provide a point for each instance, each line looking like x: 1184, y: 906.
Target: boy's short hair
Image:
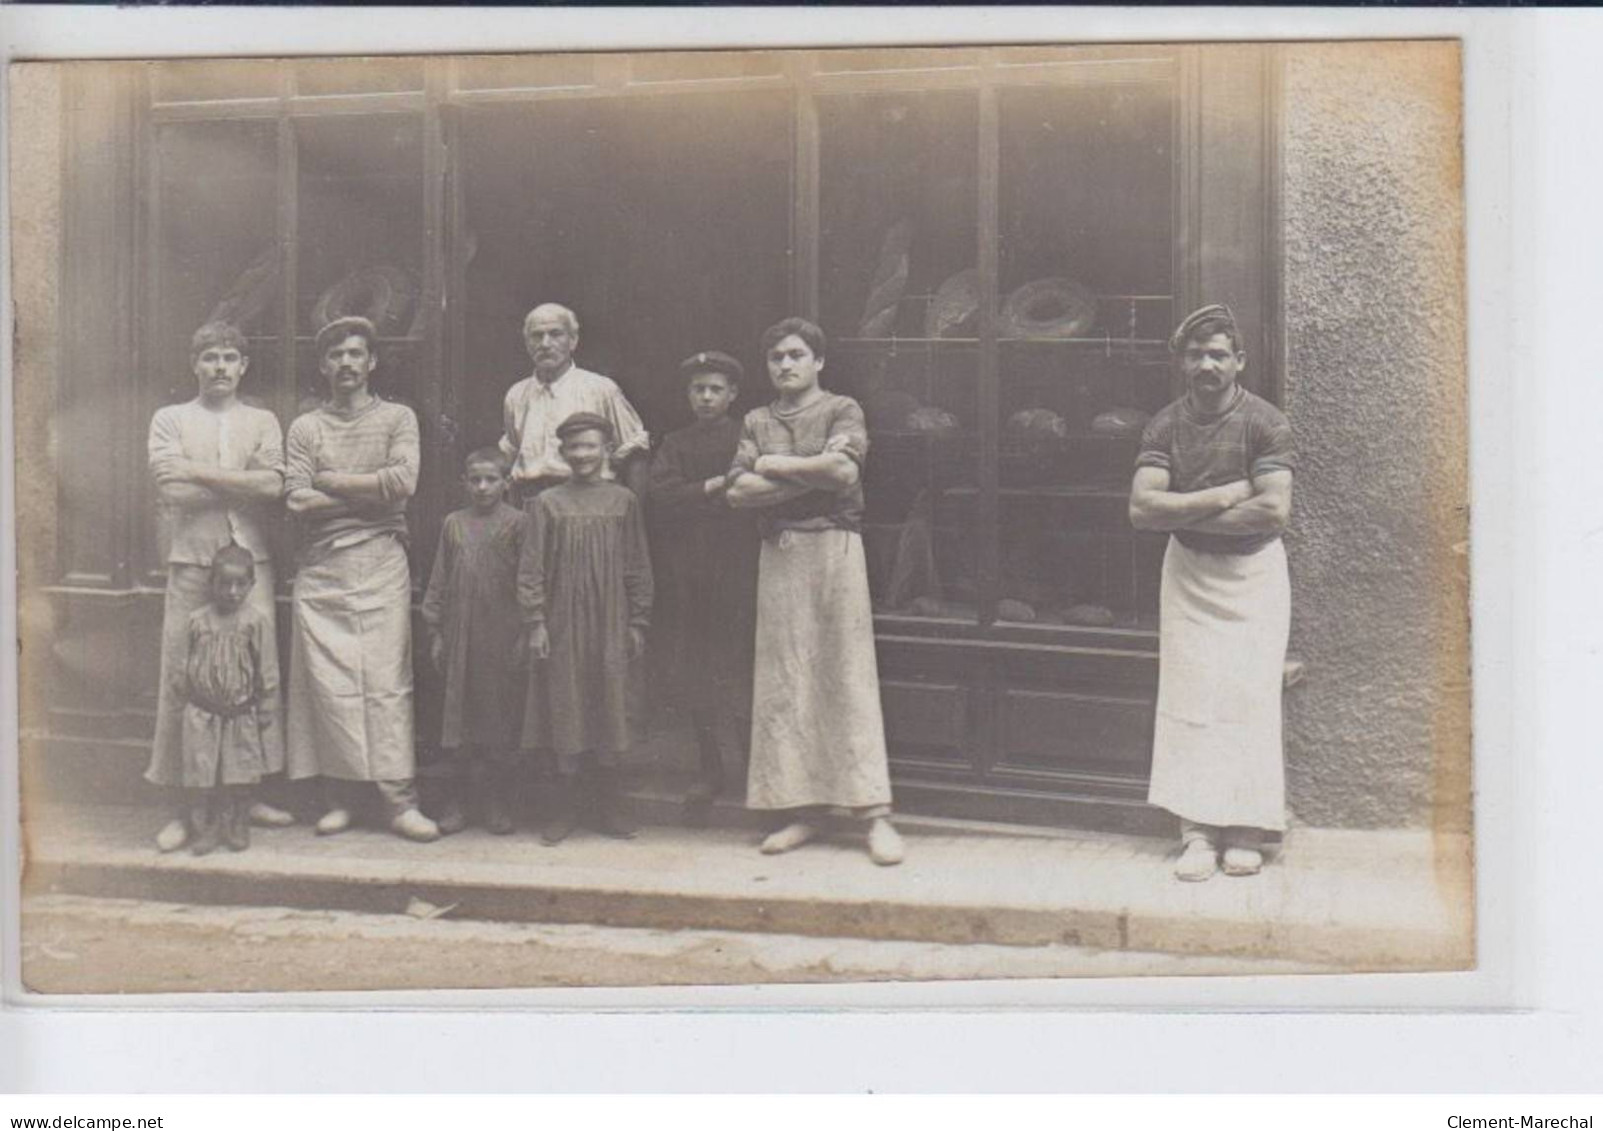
x: 712, y: 361
x: 218, y: 335
x: 234, y: 554
x: 585, y: 422
x: 489, y: 455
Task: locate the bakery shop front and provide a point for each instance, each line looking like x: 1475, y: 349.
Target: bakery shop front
x: 996, y: 240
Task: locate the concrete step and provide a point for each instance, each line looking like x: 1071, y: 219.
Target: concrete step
x: 1361, y: 901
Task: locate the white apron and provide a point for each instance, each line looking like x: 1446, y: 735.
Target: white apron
x: 1216, y: 750
x: 817, y: 733
x: 350, y: 671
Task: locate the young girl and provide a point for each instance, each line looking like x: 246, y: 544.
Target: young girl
x: 473, y: 639
x: 230, y: 691
x: 584, y: 587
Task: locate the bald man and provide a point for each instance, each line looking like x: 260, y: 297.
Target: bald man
x: 555, y: 391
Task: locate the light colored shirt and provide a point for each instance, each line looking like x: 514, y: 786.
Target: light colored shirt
x: 379, y: 438
x: 533, y: 409
x: 239, y: 438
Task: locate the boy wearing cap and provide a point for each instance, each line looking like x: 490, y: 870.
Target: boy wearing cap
x: 711, y: 557
x: 1214, y: 472
x: 584, y: 589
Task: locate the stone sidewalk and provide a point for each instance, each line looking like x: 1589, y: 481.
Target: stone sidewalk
x: 1361, y: 901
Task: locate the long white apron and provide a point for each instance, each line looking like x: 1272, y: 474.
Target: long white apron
x: 350, y: 670
x: 1216, y: 751
x: 818, y: 735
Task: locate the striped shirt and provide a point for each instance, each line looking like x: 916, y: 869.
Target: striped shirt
x: 1248, y: 439
x: 381, y: 437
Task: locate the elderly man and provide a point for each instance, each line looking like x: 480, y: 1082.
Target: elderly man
x: 1215, y: 472
x: 219, y: 468
x: 350, y: 467
x: 555, y: 391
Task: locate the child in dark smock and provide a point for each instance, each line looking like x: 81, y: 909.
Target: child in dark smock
x: 474, y: 639
x: 711, y: 552
x: 584, y: 587
x: 229, y: 690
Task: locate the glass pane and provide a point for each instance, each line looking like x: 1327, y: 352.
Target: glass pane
x: 1060, y: 53
x: 492, y: 72
x: 898, y: 290
x: 205, y: 80
x: 897, y: 58
x: 357, y: 76
x: 217, y: 246
x: 667, y: 65
x: 1085, y: 302
x: 706, y: 236
x: 217, y: 258
x: 665, y: 228
x: 361, y: 222
x: 542, y: 209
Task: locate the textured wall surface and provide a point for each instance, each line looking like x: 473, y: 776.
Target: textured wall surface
x: 1375, y: 387
x: 35, y: 224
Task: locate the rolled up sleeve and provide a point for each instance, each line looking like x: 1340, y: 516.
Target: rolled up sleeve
x: 398, y: 479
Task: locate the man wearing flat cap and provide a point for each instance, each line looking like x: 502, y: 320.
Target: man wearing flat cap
x: 1214, y: 472
x: 350, y: 467
x: 710, y: 551
x: 556, y: 390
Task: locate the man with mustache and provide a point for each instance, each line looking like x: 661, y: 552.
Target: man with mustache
x: 1214, y: 472
x: 218, y: 465
x: 555, y: 391
x: 350, y: 467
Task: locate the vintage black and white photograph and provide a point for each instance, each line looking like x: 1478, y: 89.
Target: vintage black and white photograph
x: 666, y: 518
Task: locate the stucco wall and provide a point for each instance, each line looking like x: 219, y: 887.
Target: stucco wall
x: 1375, y: 386
x: 34, y: 154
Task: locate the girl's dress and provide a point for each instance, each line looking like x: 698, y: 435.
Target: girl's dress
x: 230, y: 678
x: 472, y: 601
x: 586, y: 575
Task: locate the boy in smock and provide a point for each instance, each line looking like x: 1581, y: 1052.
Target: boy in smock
x: 474, y: 638
x: 585, y: 590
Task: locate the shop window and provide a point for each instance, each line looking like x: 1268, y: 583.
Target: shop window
x: 538, y: 210
x: 665, y: 228
x: 1085, y: 269
x: 360, y: 237
x: 217, y: 248
x: 678, y: 65
x: 509, y: 72
x: 897, y: 59
x: 358, y: 76
x: 899, y: 291
x: 210, y: 80
x: 217, y: 258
